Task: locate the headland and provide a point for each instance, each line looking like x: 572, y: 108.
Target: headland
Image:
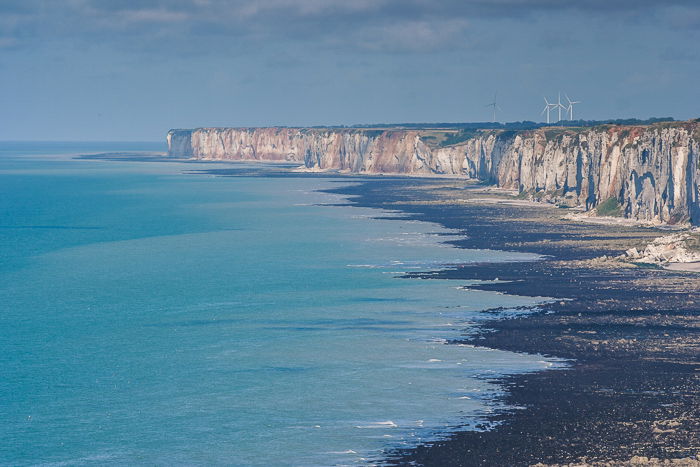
x: 646, y: 172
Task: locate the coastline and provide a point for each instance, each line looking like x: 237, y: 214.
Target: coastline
x: 632, y: 333
x: 259, y: 260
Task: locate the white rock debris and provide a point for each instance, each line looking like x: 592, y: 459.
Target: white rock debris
x: 667, y: 249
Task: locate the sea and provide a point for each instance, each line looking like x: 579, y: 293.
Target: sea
x: 152, y: 315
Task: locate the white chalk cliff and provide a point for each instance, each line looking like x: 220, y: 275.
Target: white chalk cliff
x: 649, y: 172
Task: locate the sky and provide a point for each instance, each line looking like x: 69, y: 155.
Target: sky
x: 124, y: 70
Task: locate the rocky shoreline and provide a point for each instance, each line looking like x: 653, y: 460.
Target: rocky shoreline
x: 632, y: 393
x: 631, y: 329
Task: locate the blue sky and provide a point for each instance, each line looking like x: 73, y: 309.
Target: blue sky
x: 131, y: 70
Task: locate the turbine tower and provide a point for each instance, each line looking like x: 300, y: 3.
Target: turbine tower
x: 559, y: 106
x: 495, y: 107
x: 570, y: 108
x: 547, y: 108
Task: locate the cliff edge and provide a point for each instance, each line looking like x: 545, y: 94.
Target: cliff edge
x: 643, y: 172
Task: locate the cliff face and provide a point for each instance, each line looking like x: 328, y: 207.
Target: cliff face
x: 648, y: 172
x: 651, y: 172
x: 348, y: 150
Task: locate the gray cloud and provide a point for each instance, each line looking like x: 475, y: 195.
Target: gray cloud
x: 379, y: 25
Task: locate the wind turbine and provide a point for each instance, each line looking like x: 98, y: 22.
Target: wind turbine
x: 547, y: 108
x: 571, y: 106
x: 495, y: 106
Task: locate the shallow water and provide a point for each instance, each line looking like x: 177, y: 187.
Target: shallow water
x: 154, y: 317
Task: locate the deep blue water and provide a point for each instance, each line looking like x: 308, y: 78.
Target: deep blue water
x: 150, y: 317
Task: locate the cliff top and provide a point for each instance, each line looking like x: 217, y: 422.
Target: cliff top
x: 575, y: 125
x: 438, y: 135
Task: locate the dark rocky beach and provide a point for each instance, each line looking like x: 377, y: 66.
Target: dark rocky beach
x: 632, y: 390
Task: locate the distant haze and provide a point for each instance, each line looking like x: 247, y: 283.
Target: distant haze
x: 130, y: 70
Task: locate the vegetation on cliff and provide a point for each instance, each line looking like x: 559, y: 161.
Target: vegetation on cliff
x: 610, y: 207
x: 522, y: 125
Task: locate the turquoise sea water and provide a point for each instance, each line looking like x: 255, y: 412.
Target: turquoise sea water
x: 151, y: 317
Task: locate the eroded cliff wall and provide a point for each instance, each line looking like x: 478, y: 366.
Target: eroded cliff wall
x: 649, y: 172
